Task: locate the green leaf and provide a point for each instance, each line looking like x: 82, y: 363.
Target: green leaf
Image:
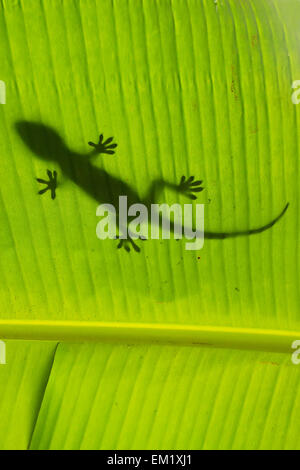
x: 22, y: 383
x: 166, y: 397
x: 200, y: 88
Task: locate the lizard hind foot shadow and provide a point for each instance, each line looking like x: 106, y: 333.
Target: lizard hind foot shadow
x: 189, y: 186
x: 129, y: 243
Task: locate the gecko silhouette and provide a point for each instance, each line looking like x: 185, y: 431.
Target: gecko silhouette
x: 48, y: 145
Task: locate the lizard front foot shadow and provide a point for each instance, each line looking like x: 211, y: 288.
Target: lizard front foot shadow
x: 104, y: 147
x: 51, y: 185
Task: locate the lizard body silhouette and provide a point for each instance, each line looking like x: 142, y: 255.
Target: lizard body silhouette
x: 47, y: 144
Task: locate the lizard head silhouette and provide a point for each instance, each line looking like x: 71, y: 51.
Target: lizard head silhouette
x: 42, y: 140
x: 49, y: 146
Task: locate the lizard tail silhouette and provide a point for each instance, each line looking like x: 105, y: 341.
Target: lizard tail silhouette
x: 49, y: 146
x: 243, y: 233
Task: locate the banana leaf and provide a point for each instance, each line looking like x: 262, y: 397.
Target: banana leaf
x: 100, y: 334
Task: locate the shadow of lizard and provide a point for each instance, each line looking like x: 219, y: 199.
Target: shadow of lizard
x: 49, y: 146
